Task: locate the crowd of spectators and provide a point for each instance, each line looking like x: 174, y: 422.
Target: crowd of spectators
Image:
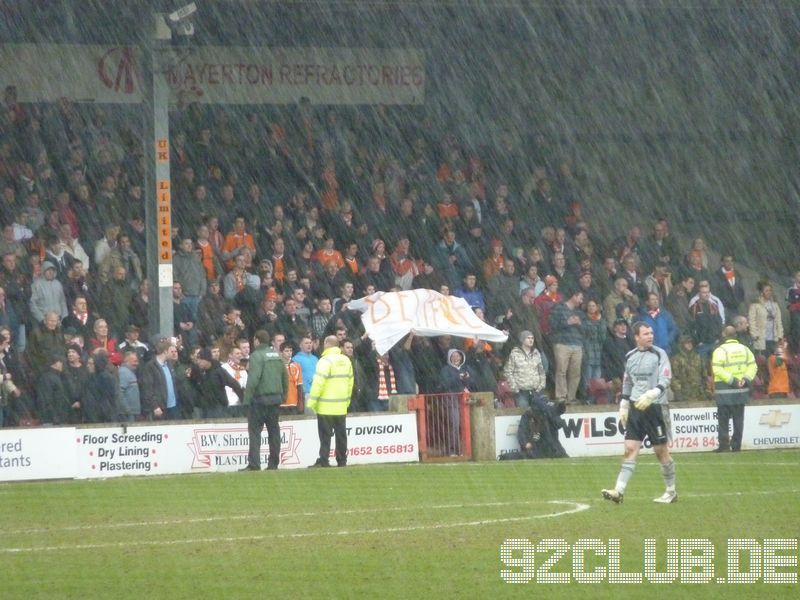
x: 280, y: 219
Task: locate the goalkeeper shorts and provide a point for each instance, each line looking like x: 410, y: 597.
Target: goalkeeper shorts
x: 648, y: 424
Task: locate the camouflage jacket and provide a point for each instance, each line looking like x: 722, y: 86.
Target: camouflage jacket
x: 689, y: 381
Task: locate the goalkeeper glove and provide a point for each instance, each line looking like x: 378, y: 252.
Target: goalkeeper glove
x: 624, y: 409
x: 647, y: 398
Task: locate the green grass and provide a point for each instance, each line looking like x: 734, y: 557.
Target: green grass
x: 401, y: 531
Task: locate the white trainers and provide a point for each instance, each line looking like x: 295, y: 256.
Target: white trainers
x: 613, y: 495
x: 667, y: 498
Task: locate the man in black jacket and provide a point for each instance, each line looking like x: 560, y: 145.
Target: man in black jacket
x: 537, y: 432
x: 52, y: 394
x: 157, y: 384
x: 727, y: 285
x: 615, y: 349
x: 210, y: 380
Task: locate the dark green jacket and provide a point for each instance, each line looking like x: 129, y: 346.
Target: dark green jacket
x: 267, y: 377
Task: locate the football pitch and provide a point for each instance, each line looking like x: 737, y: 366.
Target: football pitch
x: 410, y: 531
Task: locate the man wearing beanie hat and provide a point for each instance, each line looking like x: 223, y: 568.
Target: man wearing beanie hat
x: 524, y: 371
x: 47, y: 294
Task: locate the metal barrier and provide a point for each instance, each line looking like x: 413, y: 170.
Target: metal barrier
x: 443, y: 426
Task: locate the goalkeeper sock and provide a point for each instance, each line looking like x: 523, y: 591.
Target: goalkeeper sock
x: 625, y: 473
x: 668, y: 473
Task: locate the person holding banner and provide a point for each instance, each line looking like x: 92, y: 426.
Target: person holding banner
x: 331, y: 390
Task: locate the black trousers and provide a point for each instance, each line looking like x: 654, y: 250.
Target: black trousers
x: 258, y: 415
x: 726, y: 412
x: 328, y: 425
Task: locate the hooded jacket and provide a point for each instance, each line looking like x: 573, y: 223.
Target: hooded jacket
x: 457, y: 378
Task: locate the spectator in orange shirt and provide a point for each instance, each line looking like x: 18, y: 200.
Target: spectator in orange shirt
x: 236, y: 242
x: 351, y: 259
x: 778, y: 371
x: 446, y: 208
x: 281, y: 263
x: 493, y: 263
x: 294, y: 404
x: 208, y: 257
x: 328, y: 253
x: 404, y: 266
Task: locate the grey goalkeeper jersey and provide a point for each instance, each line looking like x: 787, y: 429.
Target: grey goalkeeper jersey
x: 644, y: 370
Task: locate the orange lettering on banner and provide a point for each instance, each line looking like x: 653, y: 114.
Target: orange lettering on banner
x: 402, y: 297
x: 372, y: 303
x: 464, y: 318
x: 447, y: 310
x: 429, y: 309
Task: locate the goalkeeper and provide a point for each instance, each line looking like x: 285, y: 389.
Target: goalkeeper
x: 644, y: 412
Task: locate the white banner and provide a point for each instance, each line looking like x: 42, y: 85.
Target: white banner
x: 218, y: 75
x: 389, y: 316
x: 693, y: 430
x: 37, y: 453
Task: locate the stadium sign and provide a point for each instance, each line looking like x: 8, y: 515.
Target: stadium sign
x: 154, y: 449
x: 217, y: 74
x: 36, y: 453
x: 693, y: 430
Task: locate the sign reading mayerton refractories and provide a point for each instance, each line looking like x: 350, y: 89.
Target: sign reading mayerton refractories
x: 217, y: 75
x: 693, y: 430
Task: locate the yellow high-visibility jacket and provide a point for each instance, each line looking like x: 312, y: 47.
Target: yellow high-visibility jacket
x: 731, y: 361
x: 332, y: 385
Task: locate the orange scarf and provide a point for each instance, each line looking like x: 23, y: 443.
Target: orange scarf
x: 383, y: 390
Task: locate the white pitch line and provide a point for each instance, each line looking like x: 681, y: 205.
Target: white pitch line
x: 751, y: 493
x: 560, y: 463
x: 355, y: 511
x: 575, y: 508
